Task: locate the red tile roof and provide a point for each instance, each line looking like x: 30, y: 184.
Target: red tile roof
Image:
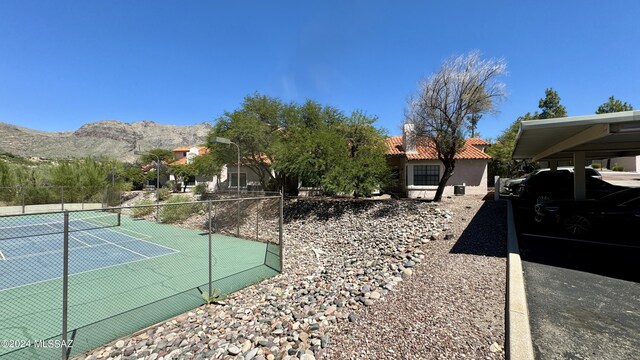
x: 201, y: 149
x: 425, y: 150
x: 476, y: 141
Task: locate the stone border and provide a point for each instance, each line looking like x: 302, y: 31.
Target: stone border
x: 519, y: 343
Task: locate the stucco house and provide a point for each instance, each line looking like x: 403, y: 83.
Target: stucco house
x: 416, y: 170
x: 227, y: 179
x: 185, y: 155
x: 250, y: 178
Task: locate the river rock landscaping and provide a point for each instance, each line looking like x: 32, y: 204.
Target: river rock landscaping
x: 349, y: 267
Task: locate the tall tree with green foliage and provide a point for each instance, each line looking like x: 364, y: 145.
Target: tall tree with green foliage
x: 501, y: 150
x: 151, y: 157
x: 550, y: 105
x: 316, y: 144
x: 255, y: 127
x: 613, y: 105
x: 310, y: 146
x: 363, y: 167
x: 440, y: 110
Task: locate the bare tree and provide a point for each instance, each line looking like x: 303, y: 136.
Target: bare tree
x: 465, y: 85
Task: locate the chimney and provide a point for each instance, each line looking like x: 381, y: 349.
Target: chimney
x: 409, y: 138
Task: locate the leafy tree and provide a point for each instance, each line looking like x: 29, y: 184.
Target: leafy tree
x: 316, y: 144
x: 7, y: 182
x: 182, y: 172
x: 134, y: 174
x: 206, y: 165
x: 501, y: 150
x: 613, y: 105
x: 310, y: 146
x: 440, y: 110
x: 550, y: 105
x: 81, y: 179
x: 501, y: 163
x: 363, y: 167
x: 254, y: 128
x: 151, y: 157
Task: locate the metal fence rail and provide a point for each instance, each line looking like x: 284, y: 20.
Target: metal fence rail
x: 71, y: 281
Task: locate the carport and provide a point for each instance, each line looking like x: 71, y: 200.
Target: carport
x: 579, y: 138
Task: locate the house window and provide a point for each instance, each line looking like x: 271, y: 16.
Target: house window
x: 184, y: 154
x: 426, y: 174
x: 234, y: 180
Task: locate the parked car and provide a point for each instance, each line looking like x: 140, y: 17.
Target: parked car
x: 512, y: 186
x: 549, y: 185
x: 610, y: 212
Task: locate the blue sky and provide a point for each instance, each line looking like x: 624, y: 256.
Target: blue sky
x: 65, y: 63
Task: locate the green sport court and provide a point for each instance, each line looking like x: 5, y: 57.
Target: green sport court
x: 124, y: 274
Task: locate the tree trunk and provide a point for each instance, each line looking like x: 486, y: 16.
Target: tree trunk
x: 449, y: 166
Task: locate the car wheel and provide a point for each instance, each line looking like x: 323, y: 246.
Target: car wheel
x: 542, y: 198
x: 577, y: 225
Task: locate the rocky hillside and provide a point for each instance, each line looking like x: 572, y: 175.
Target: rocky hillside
x: 104, y: 138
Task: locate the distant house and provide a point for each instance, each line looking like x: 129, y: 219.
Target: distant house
x: 185, y: 155
x: 228, y: 178
x: 629, y: 163
x: 251, y: 178
x: 416, y: 170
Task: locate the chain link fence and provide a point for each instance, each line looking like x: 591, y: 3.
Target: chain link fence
x: 21, y: 199
x: 75, y: 280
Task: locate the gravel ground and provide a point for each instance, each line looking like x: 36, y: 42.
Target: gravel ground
x: 454, y: 305
x: 363, y: 279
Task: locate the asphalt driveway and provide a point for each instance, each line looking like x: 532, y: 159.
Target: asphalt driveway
x: 583, y: 297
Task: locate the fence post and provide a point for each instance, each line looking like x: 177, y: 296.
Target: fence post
x: 65, y: 284
x: 210, y: 253
x: 280, y: 226
x: 238, y: 220
x: 62, y: 196
x: 23, y: 200
x: 257, y: 218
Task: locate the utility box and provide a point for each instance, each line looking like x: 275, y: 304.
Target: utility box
x: 458, y: 190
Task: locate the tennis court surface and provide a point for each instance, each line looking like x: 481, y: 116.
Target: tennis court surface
x: 124, y: 274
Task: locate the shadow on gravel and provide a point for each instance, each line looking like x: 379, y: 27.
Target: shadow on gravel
x: 324, y: 209
x: 486, y: 234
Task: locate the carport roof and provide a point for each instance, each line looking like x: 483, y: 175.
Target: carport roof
x: 599, y: 136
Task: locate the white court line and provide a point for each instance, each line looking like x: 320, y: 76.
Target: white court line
x: 109, y: 242
x: 2, y: 255
x: 88, y: 271
x: 26, y: 256
x: 150, y: 242
x: 71, y: 236
x: 135, y: 232
x: 80, y: 241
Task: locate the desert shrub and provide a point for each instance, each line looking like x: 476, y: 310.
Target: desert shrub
x: 200, y: 189
x: 618, y: 168
x: 125, y: 186
x: 595, y: 166
x: 171, y: 185
x: 144, y: 210
x: 172, y: 212
x: 164, y: 193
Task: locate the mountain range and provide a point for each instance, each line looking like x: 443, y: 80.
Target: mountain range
x: 109, y: 138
